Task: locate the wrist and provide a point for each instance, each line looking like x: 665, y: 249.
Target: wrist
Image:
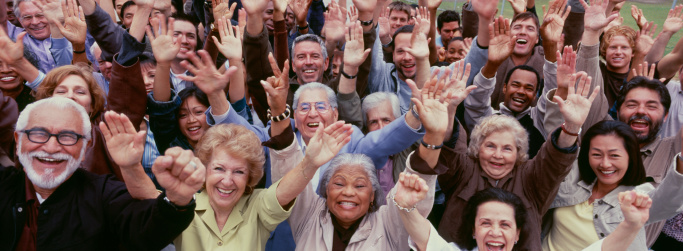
x: 278, y: 16
x: 571, y: 128
x: 178, y: 201
x: 302, y: 23
x: 351, y: 70
x: 433, y: 137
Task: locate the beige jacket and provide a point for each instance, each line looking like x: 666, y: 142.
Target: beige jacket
x: 312, y: 225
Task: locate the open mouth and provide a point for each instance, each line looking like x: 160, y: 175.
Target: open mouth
x: 313, y: 124
x: 496, y: 164
x: 347, y: 205
x: 8, y: 79
x: 518, y: 101
x: 49, y: 161
x: 224, y: 192
x: 522, y: 41
x: 494, y: 246
x: 639, y: 124
x: 194, y: 130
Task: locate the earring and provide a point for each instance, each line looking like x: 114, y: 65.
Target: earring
x: 473, y: 237
x: 515, y: 242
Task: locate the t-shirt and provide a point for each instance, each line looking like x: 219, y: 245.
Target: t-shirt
x: 573, y: 228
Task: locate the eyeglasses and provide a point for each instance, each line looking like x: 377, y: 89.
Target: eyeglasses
x: 42, y: 136
x: 30, y: 17
x: 321, y: 107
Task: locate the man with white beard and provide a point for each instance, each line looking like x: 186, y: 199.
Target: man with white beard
x: 48, y: 202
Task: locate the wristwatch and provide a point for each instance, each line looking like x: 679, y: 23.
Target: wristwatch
x: 180, y: 208
x: 366, y: 23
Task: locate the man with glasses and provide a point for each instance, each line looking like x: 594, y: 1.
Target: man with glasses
x: 78, y: 210
x: 53, y: 50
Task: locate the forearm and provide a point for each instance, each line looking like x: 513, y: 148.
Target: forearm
x: 26, y: 70
x: 658, y: 48
x: 139, y: 185
x: 451, y: 119
x: 417, y: 227
x: 162, y: 82
x: 137, y: 27
x: 423, y: 72
x: 549, y: 49
x: 590, y: 37
x: 433, y: 53
x: 621, y: 238
x: 348, y: 85
x: 483, y: 37
x: 294, y: 182
x: 413, y: 122
x: 219, y: 103
x: 668, y: 66
x: 565, y: 140
x: 236, y: 88
x: 638, y: 59
x: 490, y: 68
x: 108, y: 6
x: 254, y: 23
x: 88, y: 6
x: 55, y: 32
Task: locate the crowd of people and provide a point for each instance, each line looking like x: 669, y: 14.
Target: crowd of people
x: 338, y: 125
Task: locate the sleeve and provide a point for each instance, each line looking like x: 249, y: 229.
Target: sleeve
x: 436, y: 242
x: 364, y: 69
x: 127, y: 92
x: 316, y: 20
x: 391, y: 215
x: 350, y: 108
x: 280, y: 39
x: 231, y: 117
x: 61, y: 51
x: 452, y: 167
x: 596, y: 246
x: 478, y: 103
x: 162, y: 120
x: 105, y: 31
x: 380, y: 144
x: 538, y: 112
x: 588, y: 60
x: 545, y: 172
x: 36, y: 83
x: 379, y: 69
x: 667, y: 198
x: 256, y: 50
x: 477, y: 58
x: 269, y: 210
x: 9, y: 113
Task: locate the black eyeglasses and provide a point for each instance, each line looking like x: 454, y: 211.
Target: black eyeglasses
x: 42, y: 136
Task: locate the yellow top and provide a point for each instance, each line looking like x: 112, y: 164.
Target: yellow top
x: 247, y: 228
x: 573, y: 228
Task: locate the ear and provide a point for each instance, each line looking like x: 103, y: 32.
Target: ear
x: 326, y: 63
x: 16, y: 139
x: 517, y: 235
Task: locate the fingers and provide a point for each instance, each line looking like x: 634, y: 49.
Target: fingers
x: 181, y: 159
x: 273, y: 65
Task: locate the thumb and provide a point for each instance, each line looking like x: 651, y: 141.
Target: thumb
x: 140, y: 138
x: 161, y: 164
x: 413, y: 86
x: 20, y: 38
x: 559, y: 102
x: 418, y: 105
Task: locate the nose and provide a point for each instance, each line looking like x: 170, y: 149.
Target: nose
x: 183, y: 39
x: 498, y: 153
x: 52, y: 145
x: 4, y: 67
x: 381, y: 124
x: 605, y: 163
x: 192, y: 118
x: 347, y: 191
x: 308, y: 60
x: 496, y: 231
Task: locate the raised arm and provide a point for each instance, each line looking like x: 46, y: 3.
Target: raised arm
x: 644, y: 42
x: 230, y: 46
x: 334, y: 28
x: 575, y: 108
x: 300, y: 9
x: 551, y: 30
x: 208, y: 79
x: 277, y: 88
x: 672, y: 24
x: 354, y: 56
x: 165, y: 50
x: 432, y: 8
x: 74, y: 29
x: 668, y: 65
x: 126, y: 146
x: 419, y: 48
x: 12, y: 54
x: 325, y: 144
x: 256, y: 50
x: 410, y: 189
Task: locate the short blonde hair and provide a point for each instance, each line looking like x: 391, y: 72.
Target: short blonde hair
x: 238, y: 141
x: 500, y: 123
x: 621, y: 30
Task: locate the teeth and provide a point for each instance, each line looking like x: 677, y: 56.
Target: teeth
x: 518, y: 100
x: 7, y: 78
x: 194, y: 128
x: 49, y: 159
x: 309, y: 71
x: 313, y: 124
x: 494, y: 244
x: 225, y: 191
x: 608, y: 172
x: 408, y: 66
x: 344, y: 203
x: 521, y: 41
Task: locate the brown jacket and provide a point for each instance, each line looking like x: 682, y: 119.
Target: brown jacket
x: 535, y: 182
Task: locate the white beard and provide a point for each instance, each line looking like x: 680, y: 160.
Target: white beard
x: 48, y: 180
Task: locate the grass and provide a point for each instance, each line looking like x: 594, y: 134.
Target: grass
x: 656, y: 12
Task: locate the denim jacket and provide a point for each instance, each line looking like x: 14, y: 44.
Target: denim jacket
x: 667, y: 201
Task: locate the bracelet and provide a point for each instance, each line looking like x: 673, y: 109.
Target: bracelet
x: 302, y: 27
x: 570, y: 133
x: 414, y: 111
x: 403, y: 208
x: 280, y: 117
x: 346, y: 75
x: 79, y: 52
x: 366, y: 23
x: 428, y: 146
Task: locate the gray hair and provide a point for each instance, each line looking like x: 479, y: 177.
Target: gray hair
x: 16, y: 7
x: 354, y: 159
x: 500, y: 123
x: 92, y: 49
x: 57, y: 103
x: 331, y: 97
x: 374, y: 100
x: 312, y: 38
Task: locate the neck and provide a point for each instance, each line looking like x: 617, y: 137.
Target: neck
x: 176, y: 68
x: 221, y: 215
x: 14, y: 93
x: 600, y: 190
x: 43, y: 192
x: 519, y: 60
x: 617, y: 70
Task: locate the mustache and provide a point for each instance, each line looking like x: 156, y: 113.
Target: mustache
x: 57, y: 156
x: 640, y: 117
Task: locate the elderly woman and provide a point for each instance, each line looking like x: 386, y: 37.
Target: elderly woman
x: 497, y: 157
x: 493, y: 219
x: 230, y: 212
x: 586, y: 208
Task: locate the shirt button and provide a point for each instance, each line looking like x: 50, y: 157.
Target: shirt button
x: 596, y: 216
x: 600, y: 202
x: 20, y: 209
x: 602, y: 234
x: 220, y: 243
x: 45, y: 211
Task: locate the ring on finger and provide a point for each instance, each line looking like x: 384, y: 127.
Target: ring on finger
x: 194, y: 166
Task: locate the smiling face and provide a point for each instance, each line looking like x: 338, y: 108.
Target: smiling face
x: 34, y: 21
x: 618, y: 54
x: 349, y: 194
x: 609, y: 160
x: 10, y: 13
x: 498, y: 154
x: 380, y: 116
x: 643, y: 111
x: 404, y: 61
x: 527, y: 36
x: 226, y: 179
x: 75, y: 88
x: 308, y: 62
x: 449, y: 30
x: 186, y: 33
x: 118, y: 4
x: 495, y: 227
x: 397, y: 19
x: 128, y: 15
x: 268, y: 17
x: 308, y: 122
x: 148, y: 73
x: 456, y: 51
x: 192, y: 119
x: 520, y: 91
x: 10, y: 81
x: 49, y: 164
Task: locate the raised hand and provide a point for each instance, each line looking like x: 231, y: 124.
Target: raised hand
x: 327, y: 142
x: 674, y: 20
x: 125, y: 145
x: 242, y: 19
x: 575, y: 108
x: 433, y: 106
x: 594, y: 17
x: 74, y: 28
x: 419, y: 45
x: 255, y: 7
x: 180, y: 173
x: 468, y: 44
x: 566, y: 67
x: 11, y: 51
x: 300, y: 9
x: 422, y: 20
x: 518, y: 6
x: 433, y: 4
x: 206, y: 77
x: 638, y: 16
x: 353, y: 14
x: 222, y: 8
x: 383, y: 23
x: 642, y: 70
x: 366, y: 5
x: 410, y: 189
x: 230, y: 44
x: 52, y: 9
x: 277, y: 86
x: 456, y: 84
x: 163, y: 47
x: 553, y: 20
x: 635, y: 207
x: 485, y: 8
x: 502, y: 41
x: 354, y: 55
x: 644, y: 41
x: 334, y: 23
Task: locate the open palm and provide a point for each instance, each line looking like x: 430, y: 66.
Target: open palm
x: 124, y: 144
x: 327, y: 142
x: 163, y: 47
x: 74, y: 28
x: 577, y: 105
x: 230, y: 44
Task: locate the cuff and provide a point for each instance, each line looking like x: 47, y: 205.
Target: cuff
x: 257, y: 37
x: 549, y: 96
x: 219, y: 117
x: 419, y: 165
x: 34, y: 85
x: 281, y: 141
x: 456, y: 134
x: 162, y: 107
x: 240, y: 104
x: 555, y: 135
x: 131, y: 49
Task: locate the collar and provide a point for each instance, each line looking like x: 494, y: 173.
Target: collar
x: 505, y: 110
x: 611, y: 198
x: 497, y: 183
x: 204, y: 210
x: 649, y: 148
